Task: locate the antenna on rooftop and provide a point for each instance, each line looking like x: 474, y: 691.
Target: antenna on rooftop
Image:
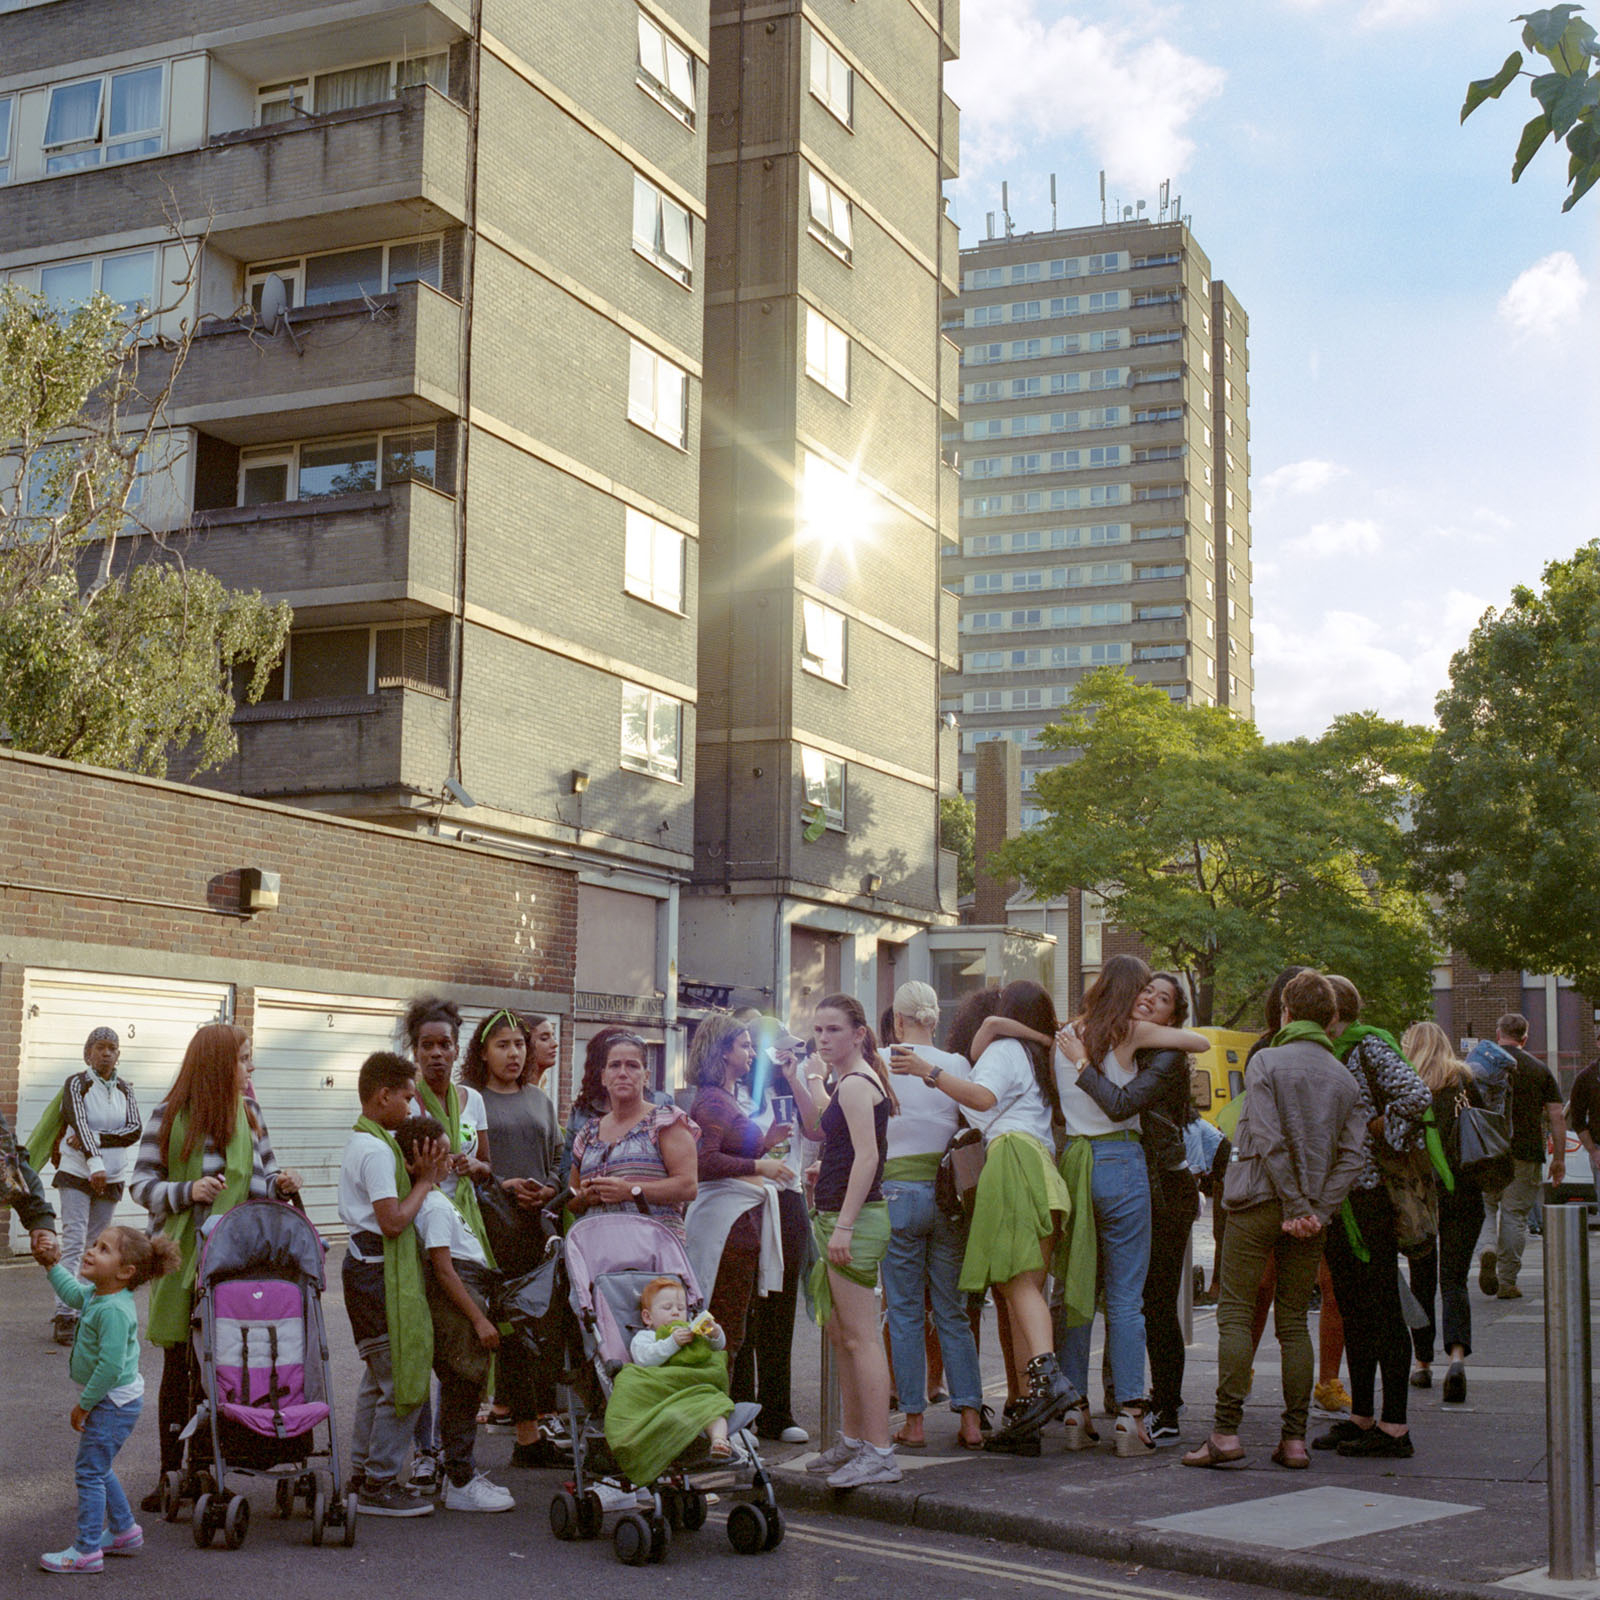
x: 1005, y: 206
x: 1102, y: 197
x: 275, y: 309
x: 990, y: 233
x: 1166, y: 196
x: 1052, y: 202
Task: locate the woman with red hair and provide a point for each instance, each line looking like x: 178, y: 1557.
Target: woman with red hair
x: 205, y: 1149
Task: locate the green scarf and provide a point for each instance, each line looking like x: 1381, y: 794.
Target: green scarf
x: 1078, y: 1242
x: 172, y: 1297
x: 1346, y: 1042
x: 41, y: 1146
x: 465, y: 1198
x: 1305, y: 1030
x: 405, y: 1298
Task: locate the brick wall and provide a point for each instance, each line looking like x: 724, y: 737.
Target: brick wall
x: 356, y: 900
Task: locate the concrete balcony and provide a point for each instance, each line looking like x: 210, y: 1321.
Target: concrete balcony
x: 390, y: 365
x: 381, y: 171
x: 377, y: 556
x: 949, y: 630
x: 950, y: 166
x: 361, y: 753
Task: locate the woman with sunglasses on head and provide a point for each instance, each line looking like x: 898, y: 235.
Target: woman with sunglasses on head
x: 506, y: 1056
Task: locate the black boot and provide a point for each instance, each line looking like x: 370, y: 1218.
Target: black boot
x: 1049, y: 1394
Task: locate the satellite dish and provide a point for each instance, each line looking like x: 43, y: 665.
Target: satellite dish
x: 274, y: 300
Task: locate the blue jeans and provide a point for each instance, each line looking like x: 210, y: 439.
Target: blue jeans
x: 100, y: 1496
x: 925, y: 1258
x: 1121, y: 1189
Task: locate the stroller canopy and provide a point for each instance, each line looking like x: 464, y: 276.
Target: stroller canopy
x: 610, y: 1257
x: 261, y: 1238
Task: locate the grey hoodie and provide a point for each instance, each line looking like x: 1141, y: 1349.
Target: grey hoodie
x: 1301, y: 1137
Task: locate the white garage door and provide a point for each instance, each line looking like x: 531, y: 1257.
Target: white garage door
x: 155, y: 1017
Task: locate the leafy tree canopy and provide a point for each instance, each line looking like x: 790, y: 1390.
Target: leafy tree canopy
x: 957, y: 831
x: 112, y: 668
x: 1508, y: 828
x: 1568, y: 94
x: 1232, y: 857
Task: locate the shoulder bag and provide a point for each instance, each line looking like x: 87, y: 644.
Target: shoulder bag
x: 1408, y: 1181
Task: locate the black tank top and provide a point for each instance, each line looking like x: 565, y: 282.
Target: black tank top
x: 839, y: 1152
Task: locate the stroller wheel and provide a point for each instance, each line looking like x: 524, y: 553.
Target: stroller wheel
x: 774, y: 1528
x: 348, y: 1513
x: 319, y: 1514
x: 203, y: 1525
x: 694, y: 1509
x: 660, y: 1538
x: 591, y: 1515
x: 236, y: 1522
x: 748, y: 1528
x: 672, y: 1507
x: 171, y: 1495
x: 632, y: 1539
x: 564, y: 1515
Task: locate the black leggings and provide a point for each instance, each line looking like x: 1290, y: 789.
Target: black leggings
x: 1376, y: 1339
x: 1172, y: 1217
x: 172, y: 1403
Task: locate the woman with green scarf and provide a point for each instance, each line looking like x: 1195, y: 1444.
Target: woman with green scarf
x: 205, y: 1150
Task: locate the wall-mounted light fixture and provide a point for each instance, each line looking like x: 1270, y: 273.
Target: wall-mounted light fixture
x: 258, y: 890
x: 454, y: 791
x: 871, y: 883
x: 578, y: 780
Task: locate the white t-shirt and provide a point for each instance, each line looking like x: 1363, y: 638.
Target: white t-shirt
x: 439, y: 1224
x: 1007, y: 1069
x: 474, y: 1119
x: 1080, y: 1110
x: 365, y: 1174
x: 649, y: 1351
x: 928, y: 1116
x: 105, y: 1108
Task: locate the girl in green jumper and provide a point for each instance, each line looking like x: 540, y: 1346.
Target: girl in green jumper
x: 105, y: 1361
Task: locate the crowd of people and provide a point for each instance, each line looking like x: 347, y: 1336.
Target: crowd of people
x: 1053, y: 1170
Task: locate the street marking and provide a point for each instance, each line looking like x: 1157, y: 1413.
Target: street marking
x: 981, y: 1566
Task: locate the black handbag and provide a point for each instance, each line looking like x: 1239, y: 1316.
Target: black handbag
x: 955, y: 1185
x: 516, y: 1235
x: 1484, y: 1141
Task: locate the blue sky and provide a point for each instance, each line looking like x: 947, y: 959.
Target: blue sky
x: 1423, y: 335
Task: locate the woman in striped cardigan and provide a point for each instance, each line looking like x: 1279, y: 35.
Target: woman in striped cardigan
x: 205, y: 1149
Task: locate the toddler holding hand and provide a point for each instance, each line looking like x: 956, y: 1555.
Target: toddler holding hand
x: 105, y: 1361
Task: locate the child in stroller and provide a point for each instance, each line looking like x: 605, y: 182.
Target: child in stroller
x: 609, y: 1260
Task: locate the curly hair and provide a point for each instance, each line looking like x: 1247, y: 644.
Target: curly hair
x: 708, y: 1054
x: 591, y: 1095
x: 429, y: 1008
x: 150, y: 1255
x: 475, y: 1071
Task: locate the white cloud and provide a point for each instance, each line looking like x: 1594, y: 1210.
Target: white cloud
x: 1355, y: 661
x: 1300, y: 477
x: 1350, y: 536
x: 1543, y: 300
x: 1382, y: 13
x: 1030, y: 71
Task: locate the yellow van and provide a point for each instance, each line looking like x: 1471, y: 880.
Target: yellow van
x: 1218, y: 1075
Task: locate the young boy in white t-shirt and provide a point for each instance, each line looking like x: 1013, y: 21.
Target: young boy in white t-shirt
x: 459, y: 1284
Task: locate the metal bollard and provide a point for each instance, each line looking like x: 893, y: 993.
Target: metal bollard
x: 831, y: 1410
x: 1569, y: 1401
x: 1186, y: 1291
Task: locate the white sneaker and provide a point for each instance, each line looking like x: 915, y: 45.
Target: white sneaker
x: 835, y: 1456
x: 477, y: 1495
x: 794, y: 1434
x: 870, y: 1465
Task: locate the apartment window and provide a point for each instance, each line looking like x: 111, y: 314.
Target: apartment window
x: 658, y: 394
x: 986, y: 700
x: 336, y: 275
x: 348, y: 87
x: 832, y: 81
x: 1027, y: 699
x: 118, y: 117
x: 827, y: 354
x: 1158, y: 613
x: 653, y: 560
x: 128, y: 279
x: 652, y: 732
x: 320, y: 469
x: 830, y: 215
x: 824, y: 782
x: 822, y: 650
x: 5, y: 138
x: 662, y: 231
x: 340, y: 663
x: 666, y: 70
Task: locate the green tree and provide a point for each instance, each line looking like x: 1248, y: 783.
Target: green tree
x: 118, y: 668
x: 958, y: 832
x: 1508, y: 827
x: 1232, y: 857
x: 1568, y: 94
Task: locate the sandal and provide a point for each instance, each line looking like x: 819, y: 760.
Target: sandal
x: 904, y: 1443
x: 1208, y: 1455
x: 1282, y: 1458
x: 1081, y: 1433
x: 721, y: 1450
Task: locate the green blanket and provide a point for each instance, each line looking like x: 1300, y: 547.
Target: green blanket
x: 869, y: 1244
x: 655, y: 1413
x: 1022, y: 1201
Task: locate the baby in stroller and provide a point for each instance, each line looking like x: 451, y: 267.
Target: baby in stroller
x: 677, y: 1386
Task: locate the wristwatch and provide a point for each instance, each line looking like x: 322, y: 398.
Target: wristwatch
x: 934, y: 1076
x: 637, y: 1191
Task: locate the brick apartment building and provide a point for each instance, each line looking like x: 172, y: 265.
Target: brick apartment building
x: 470, y: 454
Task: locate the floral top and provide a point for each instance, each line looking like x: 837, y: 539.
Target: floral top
x: 635, y: 1158
x: 1403, y: 1099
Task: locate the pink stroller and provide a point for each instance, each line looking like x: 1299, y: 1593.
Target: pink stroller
x: 608, y: 1259
x: 264, y: 1384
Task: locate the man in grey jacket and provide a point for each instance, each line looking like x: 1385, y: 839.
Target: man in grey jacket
x: 1297, y: 1151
